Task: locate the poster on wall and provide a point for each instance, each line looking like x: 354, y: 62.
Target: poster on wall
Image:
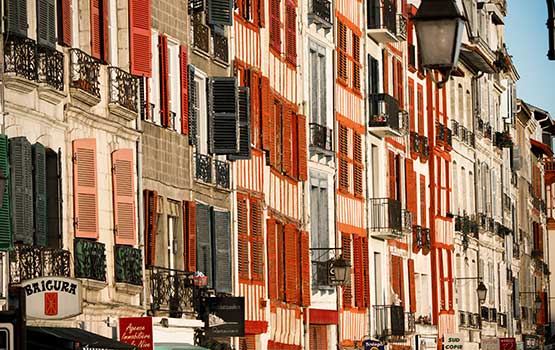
x: 507, y: 344
x: 490, y: 343
x: 225, y: 316
x: 52, y: 298
x: 136, y: 331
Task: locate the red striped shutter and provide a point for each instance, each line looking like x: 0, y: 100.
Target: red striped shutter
x: 423, y: 222
x: 164, y: 81
x: 85, y: 192
x: 396, y: 276
x: 305, y: 269
x: 400, y: 94
x: 286, y: 141
x: 275, y: 25
x: 261, y: 14
x: 254, y: 79
x: 272, y: 260
x: 291, y: 264
x: 65, y: 37
x: 385, y: 72
x: 123, y: 178
x: 411, y: 104
x: 105, y: 51
x: 412, y: 285
x: 391, y: 175
x: 190, y: 231
x: 420, y: 97
x: 243, y: 244
x: 257, y: 240
x: 346, y: 251
x: 358, y: 271
x: 96, y: 25
x: 151, y: 220
x: 291, y: 32
x: 366, y: 271
x: 140, y: 44
x: 357, y: 164
x: 184, y: 90
x: 281, y: 270
x: 318, y: 337
x: 411, y: 186
x: 302, y: 151
x: 267, y: 110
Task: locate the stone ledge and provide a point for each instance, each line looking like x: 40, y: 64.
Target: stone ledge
x: 19, y: 84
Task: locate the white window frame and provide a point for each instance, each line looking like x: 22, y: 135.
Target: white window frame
x: 202, y: 116
x: 174, y: 81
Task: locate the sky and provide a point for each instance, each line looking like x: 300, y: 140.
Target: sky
x: 526, y: 39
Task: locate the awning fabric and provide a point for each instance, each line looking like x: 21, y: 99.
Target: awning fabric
x: 540, y: 147
x: 89, y: 339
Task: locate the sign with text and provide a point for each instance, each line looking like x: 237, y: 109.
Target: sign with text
x: 490, y: 343
x: 507, y: 344
x: 225, y: 316
x: 453, y: 341
x: 372, y: 345
x: 136, y: 331
x: 52, y: 298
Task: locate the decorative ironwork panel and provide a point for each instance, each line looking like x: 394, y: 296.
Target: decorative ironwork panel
x: 410, y: 323
x: 321, y: 9
x: 384, y: 111
x: 85, y: 72
x: 123, y: 88
x: 424, y: 146
x: 502, y: 140
x: 382, y: 16
x: 51, y: 67
x: 455, y: 127
x: 201, y: 33
x: 28, y: 262
x: 221, y: 49
x: 415, y: 142
x: 203, y: 167
x: 172, y: 291
x: 417, y: 232
x: 406, y: 220
x: 401, y: 26
x: 90, y: 259
x: 222, y: 173
x: 20, y: 57
x: 321, y: 137
x: 129, y: 265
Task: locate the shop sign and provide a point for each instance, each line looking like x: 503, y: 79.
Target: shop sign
x: 136, y: 331
x: 507, y: 344
x: 372, y: 345
x: 453, y: 341
x: 52, y: 298
x: 490, y: 344
x: 225, y: 316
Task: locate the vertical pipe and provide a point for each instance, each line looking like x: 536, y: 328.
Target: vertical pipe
x: 551, y: 29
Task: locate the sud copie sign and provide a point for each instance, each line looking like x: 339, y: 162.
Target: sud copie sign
x: 53, y: 298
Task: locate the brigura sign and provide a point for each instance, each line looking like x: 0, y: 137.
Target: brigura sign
x: 52, y: 298
x: 224, y: 316
x: 453, y: 341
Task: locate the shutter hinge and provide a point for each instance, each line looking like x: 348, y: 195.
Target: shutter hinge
x: 114, y: 168
x: 76, y: 222
x: 116, y: 229
x: 74, y: 157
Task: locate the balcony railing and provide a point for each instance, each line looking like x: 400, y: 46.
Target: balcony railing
x: 20, y: 57
x: 129, y: 265
x: 320, y: 12
x: 441, y: 136
x: 221, y: 48
x: 51, y: 67
x: 410, y: 323
x: 502, y: 140
x: 385, y: 217
x: 203, y: 167
x: 402, y: 27
x: 449, y: 137
x: 28, y: 262
x: 321, y: 137
x: 415, y: 146
x: 222, y: 173
x: 171, y: 291
x: 201, y: 33
x: 487, y: 131
x: 406, y: 220
x: 455, y: 127
x: 384, y: 115
x: 382, y: 17
x: 123, y: 89
x: 85, y: 72
x: 425, y: 148
x: 90, y: 260
x: 390, y: 321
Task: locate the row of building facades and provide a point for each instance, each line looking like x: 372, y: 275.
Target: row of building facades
x: 255, y: 141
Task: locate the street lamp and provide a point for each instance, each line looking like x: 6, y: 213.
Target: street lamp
x: 339, y: 270
x: 439, y: 28
x: 482, y: 291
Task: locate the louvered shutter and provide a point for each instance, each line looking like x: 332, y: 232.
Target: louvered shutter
x: 357, y: 166
x: 286, y: 139
x: 190, y: 235
x: 123, y: 178
x: 281, y: 271
x: 5, y: 210
x: 39, y: 195
x: 223, y: 115
x: 96, y: 25
x: 423, y: 216
x: 54, y: 197
x: 140, y: 45
x: 272, y: 260
x: 222, y: 245
x: 220, y: 12
x: 358, y: 271
x: 204, y: 242
x: 244, y: 125
x: 516, y: 298
x: 395, y: 275
x: 347, y: 288
x: 261, y: 13
x: 318, y: 337
x: 385, y: 64
x: 151, y: 222
x: 184, y: 90
x: 255, y: 90
x: 105, y: 50
x: 22, y: 189
x: 411, y: 186
x: 266, y: 107
x: 275, y: 25
x: 343, y: 169
x: 164, y: 81
x: 193, y: 101
x: 365, y: 271
x: 391, y: 175
x: 257, y: 238
x: 243, y: 240
x: 412, y: 285
x: 85, y: 196
x: 305, y: 269
x: 46, y: 23
x: 302, y: 151
x: 291, y: 32
x: 64, y: 22
x: 374, y: 72
x: 15, y: 12
x: 291, y: 260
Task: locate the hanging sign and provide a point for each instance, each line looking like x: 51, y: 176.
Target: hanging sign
x: 225, y: 316
x: 507, y: 344
x: 370, y: 344
x: 453, y: 342
x: 136, y: 331
x: 53, y: 298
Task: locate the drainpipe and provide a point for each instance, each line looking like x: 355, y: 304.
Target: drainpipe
x: 551, y: 29
x: 6, y: 256
x: 140, y: 204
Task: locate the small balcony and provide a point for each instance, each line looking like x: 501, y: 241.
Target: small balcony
x: 415, y: 146
x: 406, y: 221
x: 84, y: 77
x: 221, y: 48
x: 425, y: 147
x: 449, y: 137
x: 203, y: 167
x: 123, y: 93
x: 20, y: 57
x: 382, y: 21
x: 441, y: 135
x: 319, y: 12
x: 171, y: 291
x: 384, y: 115
x: 385, y: 218
x: 401, y: 27
x: 50, y: 67
x: 28, y: 262
x: 222, y: 173
x: 212, y: 171
x: 201, y: 33
x: 321, y: 139
x: 389, y: 321
x: 502, y: 140
x: 487, y: 131
x: 90, y: 260
x: 128, y: 265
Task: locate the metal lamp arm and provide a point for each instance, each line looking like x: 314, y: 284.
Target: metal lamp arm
x: 551, y: 29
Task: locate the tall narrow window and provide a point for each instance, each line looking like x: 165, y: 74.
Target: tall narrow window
x: 318, y: 89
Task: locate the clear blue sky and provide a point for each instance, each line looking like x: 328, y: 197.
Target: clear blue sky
x: 526, y: 39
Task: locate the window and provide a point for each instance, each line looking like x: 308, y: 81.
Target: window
x: 99, y: 29
x: 319, y: 214
x: 318, y: 84
x: 199, y: 107
x: 172, y: 236
x: 174, y: 77
x: 275, y: 25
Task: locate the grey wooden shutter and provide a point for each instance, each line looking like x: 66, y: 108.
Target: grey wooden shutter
x: 22, y: 189
x: 46, y: 23
x: 244, y: 125
x: 222, y: 252
x: 223, y: 115
x: 193, y: 101
x: 516, y: 298
x: 220, y: 12
x: 314, y: 212
x: 204, y: 242
x: 54, y: 195
x: 5, y: 212
x: 16, y: 16
x: 39, y: 195
x: 374, y: 72
x: 323, y: 217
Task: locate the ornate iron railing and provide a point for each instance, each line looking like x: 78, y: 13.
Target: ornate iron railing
x: 321, y: 9
x: 455, y: 127
x: 449, y: 137
x: 85, y: 72
x: 321, y: 137
x: 424, y: 147
x: 474, y: 320
x: 20, y: 57
x: 426, y: 238
x: 28, y: 262
x: 222, y: 173
x: 201, y: 33
x: 463, y: 319
x: 487, y: 131
x: 171, y: 291
x: 90, y: 259
x: 441, y: 135
x: 402, y: 26
x: 390, y: 321
x: 203, y: 167
x: 410, y: 323
x: 123, y: 88
x: 516, y: 250
x: 479, y: 125
x: 406, y: 220
x: 502, y: 140
x: 384, y: 111
x: 51, y: 67
x: 385, y: 214
x: 382, y: 16
x: 221, y: 49
x: 463, y: 133
x: 129, y: 265
x: 414, y: 142
x: 418, y: 240
x: 471, y: 139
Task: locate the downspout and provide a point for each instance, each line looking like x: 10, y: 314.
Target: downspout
x: 551, y: 29
x: 140, y: 204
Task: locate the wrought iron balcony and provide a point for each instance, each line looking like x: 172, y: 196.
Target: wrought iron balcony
x: 222, y: 173
x: 463, y: 133
x: 418, y: 240
x: 479, y: 124
x: 28, y: 262
x: 20, y: 57
x: 203, y: 167
x: 51, y: 67
x: 201, y: 33
x: 412, y: 56
x: 404, y: 126
x: 471, y: 139
x: 321, y: 138
x: 449, y: 137
x: 502, y: 140
x: 406, y: 220
x: 401, y: 27
x: 389, y: 321
x: 123, y: 89
x: 474, y: 320
x: 382, y: 20
x: 410, y: 323
x: 84, y: 72
x: 455, y: 127
x: 426, y: 238
x: 487, y: 131
x: 384, y: 115
x: 221, y: 48
x: 129, y: 265
x: 171, y: 291
x: 385, y: 218
x: 320, y: 12
x: 516, y: 250
x: 425, y: 148
x: 463, y: 319
x: 441, y: 136
x: 90, y: 259
x: 415, y: 146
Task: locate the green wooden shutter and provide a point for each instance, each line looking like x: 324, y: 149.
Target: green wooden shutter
x: 22, y: 189
x: 244, y: 125
x: 204, y: 242
x: 39, y: 195
x: 54, y: 195
x: 220, y: 12
x: 5, y: 212
x: 193, y: 101
x: 46, y: 23
x: 16, y: 17
x: 222, y: 252
x: 223, y: 115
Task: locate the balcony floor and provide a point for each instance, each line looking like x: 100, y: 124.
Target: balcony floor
x: 382, y: 36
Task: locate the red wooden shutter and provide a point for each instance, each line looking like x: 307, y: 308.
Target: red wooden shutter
x: 400, y: 93
x: 385, y: 72
x: 318, y: 337
x: 65, y: 37
x: 254, y: 81
x: 291, y: 32
x: 359, y: 281
x: 420, y: 97
x: 151, y: 220
x: 302, y: 151
x: 391, y: 175
x: 261, y: 14
x: 96, y: 25
x: 397, y: 277
x: 272, y: 260
x: 275, y: 25
x: 286, y: 140
x: 357, y: 164
x: 281, y: 270
x: 123, y: 178
x: 412, y: 286
x: 366, y: 271
x: 243, y: 244
x: 295, y: 145
x: 411, y: 186
x: 190, y: 239
x: 85, y: 193
x: 423, y: 222
x: 140, y: 45
x: 305, y: 269
x: 346, y: 251
x: 105, y: 50
x: 411, y: 104
x: 267, y: 110
x: 257, y: 240
x: 342, y: 156
x: 164, y: 90
x: 291, y: 261
x: 184, y: 90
